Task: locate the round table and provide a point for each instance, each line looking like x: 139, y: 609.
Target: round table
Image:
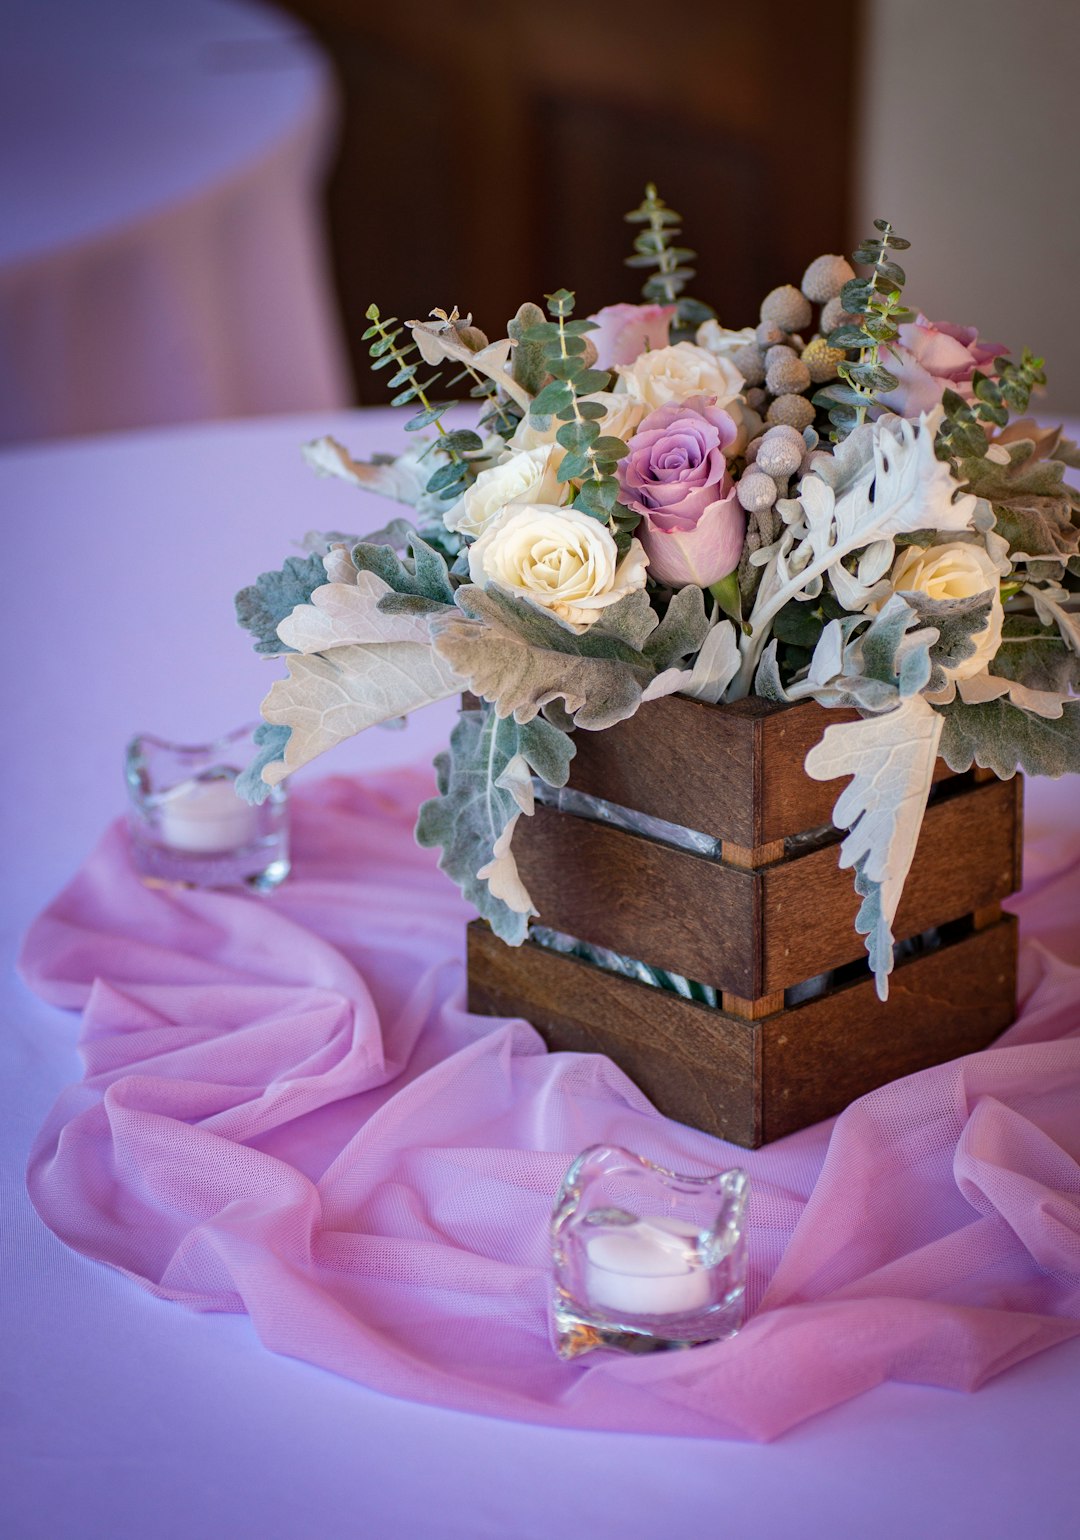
x: 126, y: 1416
x: 161, y: 255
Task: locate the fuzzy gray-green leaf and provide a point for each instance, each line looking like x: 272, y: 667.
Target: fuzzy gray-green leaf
x: 958, y: 622
x: 471, y: 811
x: 998, y: 736
x: 274, y: 595
x: 681, y: 632
x: 1036, y: 656
x: 520, y: 659
x: 422, y: 572
x: 270, y: 739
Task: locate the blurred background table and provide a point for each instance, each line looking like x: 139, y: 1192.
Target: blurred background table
x: 122, y: 1416
x: 161, y: 247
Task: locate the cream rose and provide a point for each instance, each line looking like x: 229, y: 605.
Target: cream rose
x: 559, y: 558
x: 676, y: 373
x: 622, y: 414
x: 528, y: 477
x: 955, y: 571
x: 721, y: 341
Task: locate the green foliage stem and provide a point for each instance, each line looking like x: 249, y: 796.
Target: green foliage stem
x: 962, y: 434
x: 448, y: 481
x: 876, y: 300
x: 656, y: 247
x: 591, y: 457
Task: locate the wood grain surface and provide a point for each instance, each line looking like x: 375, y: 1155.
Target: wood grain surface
x: 696, y: 1064
x: 751, y: 1082
x: 753, y: 932
x: 734, y: 772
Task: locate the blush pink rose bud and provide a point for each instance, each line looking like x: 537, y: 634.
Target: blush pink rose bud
x: 676, y: 477
x: 932, y: 357
x: 624, y: 332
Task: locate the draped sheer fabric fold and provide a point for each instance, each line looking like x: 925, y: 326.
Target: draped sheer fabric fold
x: 287, y: 1111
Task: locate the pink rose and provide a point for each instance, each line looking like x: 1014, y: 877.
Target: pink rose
x: 624, y: 332
x: 703, y: 553
x: 675, y: 462
x: 675, y: 476
x: 934, y: 357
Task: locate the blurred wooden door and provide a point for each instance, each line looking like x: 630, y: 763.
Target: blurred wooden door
x: 490, y: 148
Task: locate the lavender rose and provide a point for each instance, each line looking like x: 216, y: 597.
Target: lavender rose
x: 625, y: 331
x: 932, y: 357
x: 676, y: 477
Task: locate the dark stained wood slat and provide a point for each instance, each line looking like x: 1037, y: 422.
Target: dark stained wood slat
x: 819, y: 1057
x: 750, y: 1082
x: 696, y: 1064
x: 649, y: 901
x: 752, y: 933
x: 734, y: 772
x: 965, y: 860
x: 680, y: 760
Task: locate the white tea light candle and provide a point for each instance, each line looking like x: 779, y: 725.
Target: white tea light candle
x: 647, y: 1268
x: 205, y: 817
x: 644, y: 1259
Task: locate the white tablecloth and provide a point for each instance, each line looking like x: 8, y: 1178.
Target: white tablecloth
x: 161, y: 257
x: 122, y: 1417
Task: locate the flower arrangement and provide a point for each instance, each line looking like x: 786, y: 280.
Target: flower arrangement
x: 836, y: 504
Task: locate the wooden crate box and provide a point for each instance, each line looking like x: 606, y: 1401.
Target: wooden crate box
x: 773, y: 912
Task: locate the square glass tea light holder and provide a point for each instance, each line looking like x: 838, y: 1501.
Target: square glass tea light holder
x: 645, y: 1259
x: 188, y: 824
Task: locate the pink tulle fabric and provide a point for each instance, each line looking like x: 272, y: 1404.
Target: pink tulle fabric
x: 287, y: 1111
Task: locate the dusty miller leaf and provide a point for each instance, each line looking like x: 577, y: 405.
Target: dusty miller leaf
x: 402, y: 478
x: 469, y: 817
x: 322, y: 542
x: 632, y: 620
x: 957, y: 622
x: 716, y: 664
x: 998, y: 736
x: 1035, y: 510
x: 1036, y: 656
x: 422, y: 572
x: 682, y: 631
x: 438, y: 343
x: 521, y: 659
x: 270, y: 740
x: 261, y: 607
x: 350, y: 614
x: 871, y: 669
x: 330, y: 697
x: 891, y: 761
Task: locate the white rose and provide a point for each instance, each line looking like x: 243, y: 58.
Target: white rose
x: 622, y: 413
x: 559, y: 558
x: 676, y: 373
x: 528, y: 436
x: 722, y: 342
x: 955, y: 571
x: 528, y: 477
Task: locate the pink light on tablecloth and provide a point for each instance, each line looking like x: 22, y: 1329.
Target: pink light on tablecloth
x: 288, y: 1112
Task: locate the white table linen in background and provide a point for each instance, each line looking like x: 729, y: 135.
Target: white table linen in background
x: 161, y: 256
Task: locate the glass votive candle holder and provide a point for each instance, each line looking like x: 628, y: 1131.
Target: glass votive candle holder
x: 645, y: 1259
x: 189, y: 825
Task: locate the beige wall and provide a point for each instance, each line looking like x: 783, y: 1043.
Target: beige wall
x: 971, y: 146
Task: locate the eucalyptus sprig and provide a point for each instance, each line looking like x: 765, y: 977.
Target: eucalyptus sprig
x: 876, y: 299
x: 656, y: 247
x: 591, y: 457
x: 499, y: 414
x: 448, y: 481
x: 963, y: 431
